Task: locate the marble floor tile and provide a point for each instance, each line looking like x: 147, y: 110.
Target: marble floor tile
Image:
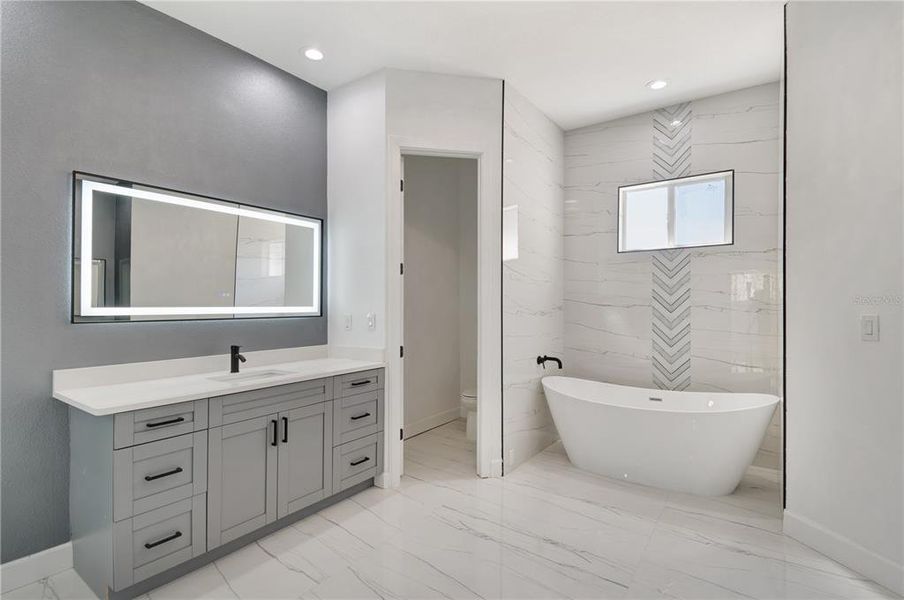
x: 253, y: 572
x: 683, y: 563
x: 207, y: 583
x: 62, y: 586
x: 547, y: 530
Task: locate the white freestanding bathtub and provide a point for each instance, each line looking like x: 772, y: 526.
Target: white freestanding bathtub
x: 696, y: 442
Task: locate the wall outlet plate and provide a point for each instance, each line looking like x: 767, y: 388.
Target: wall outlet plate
x: 347, y: 322
x: 869, y: 328
x: 371, y: 321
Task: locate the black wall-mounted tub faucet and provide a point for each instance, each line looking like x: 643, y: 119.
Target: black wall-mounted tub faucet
x: 234, y: 358
x: 542, y: 360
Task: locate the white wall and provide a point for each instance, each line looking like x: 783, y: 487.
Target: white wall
x: 532, y: 283
x: 733, y: 292
x: 356, y: 223
x: 845, y: 451
x: 462, y: 115
x: 371, y: 122
x: 467, y: 274
x: 435, y: 204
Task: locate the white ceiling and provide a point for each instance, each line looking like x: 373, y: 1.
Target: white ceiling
x: 579, y: 62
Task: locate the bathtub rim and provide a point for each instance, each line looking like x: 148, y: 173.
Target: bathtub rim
x: 770, y: 400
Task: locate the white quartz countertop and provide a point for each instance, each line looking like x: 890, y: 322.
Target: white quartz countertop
x: 110, y: 399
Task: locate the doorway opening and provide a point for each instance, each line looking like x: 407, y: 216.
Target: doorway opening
x: 440, y: 308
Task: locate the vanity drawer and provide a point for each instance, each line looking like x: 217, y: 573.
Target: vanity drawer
x: 358, y: 383
x: 260, y: 403
x: 158, y: 540
x: 357, y: 416
x: 152, y: 475
x: 357, y: 461
x: 152, y: 424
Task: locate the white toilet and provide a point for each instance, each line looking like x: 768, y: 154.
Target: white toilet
x: 469, y: 410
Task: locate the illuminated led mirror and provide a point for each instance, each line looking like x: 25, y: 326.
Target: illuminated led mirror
x: 143, y: 253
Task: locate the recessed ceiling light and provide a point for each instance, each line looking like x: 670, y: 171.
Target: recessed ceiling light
x: 313, y: 54
x: 657, y: 84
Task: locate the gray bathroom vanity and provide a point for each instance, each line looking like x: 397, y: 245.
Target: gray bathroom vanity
x: 159, y: 490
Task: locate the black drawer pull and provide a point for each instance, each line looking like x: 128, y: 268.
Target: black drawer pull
x: 362, y: 382
x: 160, y: 475
x: 367, y: 414
x: 360, y: 461
x: 168, y: 422
x: 275, y: 439
x: 168, y: 538
x: 285, y: 431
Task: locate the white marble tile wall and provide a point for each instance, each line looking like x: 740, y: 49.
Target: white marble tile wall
x: 532, y: 286
x: 735, y: 290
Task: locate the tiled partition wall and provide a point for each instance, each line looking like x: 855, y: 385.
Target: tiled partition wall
x: 697, y: 319
x: 532, y: 284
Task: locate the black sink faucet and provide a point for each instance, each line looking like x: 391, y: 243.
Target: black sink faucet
x: 234, y: 358
x: 541, y: 360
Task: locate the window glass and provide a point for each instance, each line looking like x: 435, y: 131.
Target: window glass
x: 647, y: 218
x: 700, y: 213
x: 676, y: 213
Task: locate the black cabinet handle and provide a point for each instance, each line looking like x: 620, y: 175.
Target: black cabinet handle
x: 167, y: 422
x: 362, y: 382
x: 275, y: 425
x: 160, y: 475
x: 367, y: 414
x: 285, y: 431
x: 168, y: 538
x: 360, y: 461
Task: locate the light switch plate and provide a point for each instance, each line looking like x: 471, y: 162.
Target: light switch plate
x: 347, y: 320
x: 869, y: 328
x: 371, y: 320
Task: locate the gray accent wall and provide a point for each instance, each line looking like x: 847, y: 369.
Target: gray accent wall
x: 119, y: 89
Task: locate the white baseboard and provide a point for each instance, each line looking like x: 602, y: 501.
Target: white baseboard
x: 412, y: 429
x: 384, y: 480
x: 35, y: 567
x: 846, y: 551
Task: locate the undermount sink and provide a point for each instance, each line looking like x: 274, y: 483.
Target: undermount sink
x: 249, y: 376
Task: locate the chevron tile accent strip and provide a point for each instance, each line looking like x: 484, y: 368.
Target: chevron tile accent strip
x: 671, y: 319
x: 672, y: 141
x: 671, y: 269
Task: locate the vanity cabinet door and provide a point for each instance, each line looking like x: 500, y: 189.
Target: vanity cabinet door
x: 305, y: 457
x: 242, y: 477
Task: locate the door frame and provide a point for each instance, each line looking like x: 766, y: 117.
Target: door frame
x: 489, y: 306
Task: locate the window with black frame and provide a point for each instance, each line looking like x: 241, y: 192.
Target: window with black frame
x: 685, y: 212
